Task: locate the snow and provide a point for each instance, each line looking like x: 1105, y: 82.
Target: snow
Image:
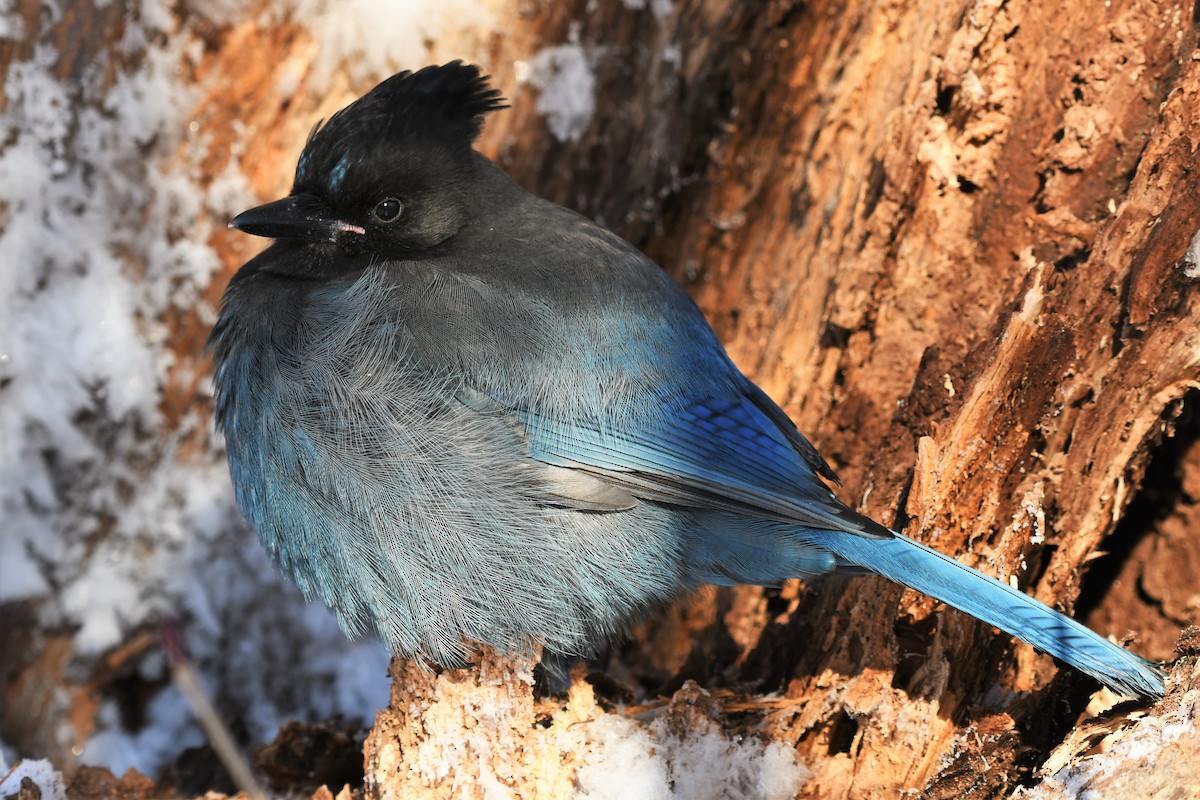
x: 624, y: 764
x: 567, y: 84
x: 11, y: 28
x: 1190, y: 264
x: 628, y: 761
x: 40, y: 772
x: 1166, y: 739
x: 659, y: 8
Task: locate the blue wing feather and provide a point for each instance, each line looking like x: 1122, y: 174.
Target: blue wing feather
x: 727, y: 455
x: 718, y: 452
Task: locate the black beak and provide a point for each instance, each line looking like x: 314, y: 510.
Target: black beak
x: 296, y: 216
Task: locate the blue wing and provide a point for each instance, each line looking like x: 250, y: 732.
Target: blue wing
x: 720, y: 452
x: 730, y: 454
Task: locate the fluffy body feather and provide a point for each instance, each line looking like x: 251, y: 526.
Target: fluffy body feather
x: 487, y: 420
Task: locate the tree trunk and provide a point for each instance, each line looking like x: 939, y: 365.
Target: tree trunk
x: 956, y: 241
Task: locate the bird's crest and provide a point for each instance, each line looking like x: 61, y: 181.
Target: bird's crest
x: 443, y: 103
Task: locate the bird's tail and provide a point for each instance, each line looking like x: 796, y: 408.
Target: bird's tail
x: 918, y: 567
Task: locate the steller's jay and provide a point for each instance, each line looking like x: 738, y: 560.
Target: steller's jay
x: 459, y: 414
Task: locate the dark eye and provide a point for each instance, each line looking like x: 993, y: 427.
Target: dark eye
x: 387, y: 209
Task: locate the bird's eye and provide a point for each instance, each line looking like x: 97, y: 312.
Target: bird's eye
x: 387, y: 209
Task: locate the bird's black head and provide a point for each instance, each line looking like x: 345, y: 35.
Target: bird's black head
x: 389, y: 174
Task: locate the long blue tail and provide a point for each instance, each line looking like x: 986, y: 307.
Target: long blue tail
x: 918, y: 567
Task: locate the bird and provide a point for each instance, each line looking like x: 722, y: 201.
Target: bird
x: 463, y: 416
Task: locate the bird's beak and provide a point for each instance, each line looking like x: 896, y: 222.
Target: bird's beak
x: 296, y: 216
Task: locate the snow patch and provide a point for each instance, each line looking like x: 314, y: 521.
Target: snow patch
x: 661, y: 9
x: 629, y: 761
x: 567, y: 84
x: 39, y: 772
x: 1190, y: 265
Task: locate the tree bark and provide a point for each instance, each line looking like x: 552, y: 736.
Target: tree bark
x: 952, y: 240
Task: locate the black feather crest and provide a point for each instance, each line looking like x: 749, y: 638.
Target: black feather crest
x: 456, y: 95
x: 440, y: 102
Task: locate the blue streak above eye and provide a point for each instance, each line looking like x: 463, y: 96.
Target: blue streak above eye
x: 338, y: 173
